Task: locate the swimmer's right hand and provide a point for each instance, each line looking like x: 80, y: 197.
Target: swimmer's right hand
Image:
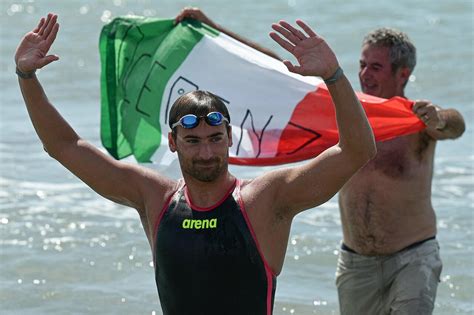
x: 194, y: 13
x: 32, y: 53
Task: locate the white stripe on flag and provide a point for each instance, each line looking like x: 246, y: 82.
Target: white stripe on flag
x: 258, y: 90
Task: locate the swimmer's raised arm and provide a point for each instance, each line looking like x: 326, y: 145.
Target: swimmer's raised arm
x: 309, y: 185
x: 118, y: 181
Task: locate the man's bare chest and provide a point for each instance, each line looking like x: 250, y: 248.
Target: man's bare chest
x: 400, y: 158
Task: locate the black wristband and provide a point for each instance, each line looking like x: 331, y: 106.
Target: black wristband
x: 334, y: 77
x: 25, y: 75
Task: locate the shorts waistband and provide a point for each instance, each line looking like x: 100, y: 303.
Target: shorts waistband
x: 411, y: 246
x: 347, y: 248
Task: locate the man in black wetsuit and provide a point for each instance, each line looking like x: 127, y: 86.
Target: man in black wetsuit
x: 218, y: 242
x: 389, y: 261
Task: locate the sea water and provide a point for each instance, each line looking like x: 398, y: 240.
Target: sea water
x: 66, y: 250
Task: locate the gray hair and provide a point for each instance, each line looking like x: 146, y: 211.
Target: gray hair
x: 402, y: 50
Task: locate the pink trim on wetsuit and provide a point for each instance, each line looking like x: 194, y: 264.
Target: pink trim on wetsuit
x: 270, y: 274
x: 217, y: 204
x: 163, y: 210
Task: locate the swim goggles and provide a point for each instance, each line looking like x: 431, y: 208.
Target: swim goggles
x: 191, y: 121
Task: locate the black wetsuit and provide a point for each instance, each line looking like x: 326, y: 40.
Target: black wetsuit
x: 207, y: 261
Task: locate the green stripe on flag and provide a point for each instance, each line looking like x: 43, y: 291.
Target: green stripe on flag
x: 138, y: 57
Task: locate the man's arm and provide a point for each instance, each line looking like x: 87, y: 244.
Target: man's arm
x: 197, y: 14
x: 115, y: 180
x: 440, y: 123
x: 306, y: 186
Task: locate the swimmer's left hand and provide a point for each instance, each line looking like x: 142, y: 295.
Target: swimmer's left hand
x: 314, y: 55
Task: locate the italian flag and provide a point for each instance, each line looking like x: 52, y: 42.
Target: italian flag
x: 277, y: 116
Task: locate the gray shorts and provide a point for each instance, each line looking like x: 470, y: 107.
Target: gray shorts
x: 402, y: 283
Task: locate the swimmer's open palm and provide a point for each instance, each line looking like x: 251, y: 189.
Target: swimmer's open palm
x: 32, y: 53
x: 314, y: 55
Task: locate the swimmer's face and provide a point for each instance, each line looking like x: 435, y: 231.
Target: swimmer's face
x: 203, y: 151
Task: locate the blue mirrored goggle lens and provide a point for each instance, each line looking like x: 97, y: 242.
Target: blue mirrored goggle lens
x: 191, y: 121
x: 214, y: 118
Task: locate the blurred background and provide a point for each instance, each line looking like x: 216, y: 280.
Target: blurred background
x: 66, y: 250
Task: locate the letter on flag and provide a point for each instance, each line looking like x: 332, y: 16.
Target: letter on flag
x: 276, y: 116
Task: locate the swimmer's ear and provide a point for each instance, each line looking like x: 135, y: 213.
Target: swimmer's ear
x: 171, y: 141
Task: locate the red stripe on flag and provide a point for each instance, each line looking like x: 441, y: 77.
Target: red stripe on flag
x: 312, y: 127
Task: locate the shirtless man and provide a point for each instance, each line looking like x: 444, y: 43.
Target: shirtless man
x: 389, y: 262
x: 218, y: 242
